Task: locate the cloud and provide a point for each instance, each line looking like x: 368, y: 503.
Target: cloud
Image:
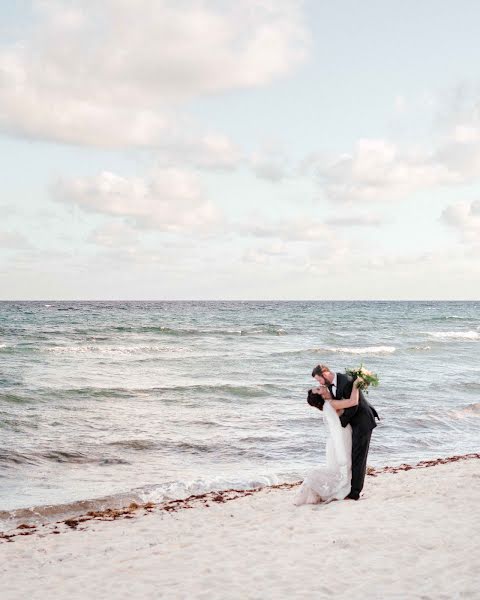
x: 267, y: 254
x: 199, y: 149
x: 114, y: 234
x: 271, y: 163
x: 117, y: 243
x: 116, y: 73
x: 354, y: 221
x: 7, y: 210
x: 300, y: 229
x: 291, y: 230
x: 461, y: 153
x: 458, y: 123
x: 378, y: 170
x: 168, y: 200
x: 400, y: 104
x: 10, y: 240
x: 464, y: 217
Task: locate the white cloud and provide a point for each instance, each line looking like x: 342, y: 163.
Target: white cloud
x: 12, y: 240
x: 301, y: 229
x: 354, y: 221
x: 381, y: 170
x: 270, y: 162
x: 458, y: 123
x: 114, y: 234
x: 464, y: 217
x: 400, y: 104
x: 267, y: 254
x: 461, y: 154
x: 291, y: 230
x: 198, y: 149
x: 354, y: 267
x: 169, y: 200
x: 7, y: 210
x: 117, y: 243
x: 115, y: 73
x: 378, y: 170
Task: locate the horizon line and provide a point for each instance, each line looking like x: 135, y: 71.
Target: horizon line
x: 240, y: 300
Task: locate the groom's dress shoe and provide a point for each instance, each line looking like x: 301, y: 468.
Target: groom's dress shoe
x: 352, y: 497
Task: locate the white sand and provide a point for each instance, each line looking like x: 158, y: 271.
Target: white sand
x: 414, y: 534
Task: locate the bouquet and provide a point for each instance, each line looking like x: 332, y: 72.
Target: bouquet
x: 367, y: 377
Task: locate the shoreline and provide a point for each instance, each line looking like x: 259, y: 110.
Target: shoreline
x: 415, y: 535
x: 206, y: 500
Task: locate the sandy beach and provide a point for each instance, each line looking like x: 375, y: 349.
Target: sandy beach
x: 414, y: 534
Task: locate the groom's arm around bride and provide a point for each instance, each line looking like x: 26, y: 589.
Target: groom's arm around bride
x: 363, y: 413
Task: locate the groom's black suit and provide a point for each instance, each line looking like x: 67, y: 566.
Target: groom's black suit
x: 362, y: 419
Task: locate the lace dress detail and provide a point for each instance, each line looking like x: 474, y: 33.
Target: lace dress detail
x: 332, y: 480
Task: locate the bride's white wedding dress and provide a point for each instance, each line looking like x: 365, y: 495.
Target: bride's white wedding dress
x: 332, y: 480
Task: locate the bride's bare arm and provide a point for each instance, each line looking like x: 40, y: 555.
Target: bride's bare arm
x: 352, y: 401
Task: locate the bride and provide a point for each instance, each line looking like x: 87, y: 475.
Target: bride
x: 333, y: 480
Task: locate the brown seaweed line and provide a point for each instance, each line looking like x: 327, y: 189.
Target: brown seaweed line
x: 112, y: 514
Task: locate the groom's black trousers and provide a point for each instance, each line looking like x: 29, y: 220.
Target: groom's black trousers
x: 360, y: 446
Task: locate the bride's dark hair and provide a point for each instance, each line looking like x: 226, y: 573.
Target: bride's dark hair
x: 315, y: 400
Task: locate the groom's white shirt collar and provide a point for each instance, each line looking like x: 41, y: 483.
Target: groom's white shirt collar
x: 334, y: 382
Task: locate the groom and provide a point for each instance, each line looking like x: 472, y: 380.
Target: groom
x: 361, y: 418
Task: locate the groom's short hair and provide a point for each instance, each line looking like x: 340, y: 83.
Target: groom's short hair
x: 319, y: 369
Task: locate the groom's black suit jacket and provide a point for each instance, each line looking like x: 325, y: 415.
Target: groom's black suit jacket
x: 361, y: 417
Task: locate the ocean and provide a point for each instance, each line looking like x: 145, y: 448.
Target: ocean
x: 120, y: 401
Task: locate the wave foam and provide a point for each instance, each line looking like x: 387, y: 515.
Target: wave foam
x: 364, y: 350
x: 450, y: 318
x: 454, y: 335
x: 174, y: 490
x: 178, y: 490
x: 420, y: 348
x: 134, y: 349
x: 341, y: 350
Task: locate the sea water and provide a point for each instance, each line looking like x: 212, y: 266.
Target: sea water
x: 159, y: 400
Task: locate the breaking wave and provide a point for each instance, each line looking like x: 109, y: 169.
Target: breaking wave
x: 420, y: 348
x: 264, y: 329
x: 455, y: 335
x: 364, y: 350
x: 158, y: 493
x: 110, y: 349
x: 342, y: 350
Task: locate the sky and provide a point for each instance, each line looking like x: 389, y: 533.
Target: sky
x: 247, y: 150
